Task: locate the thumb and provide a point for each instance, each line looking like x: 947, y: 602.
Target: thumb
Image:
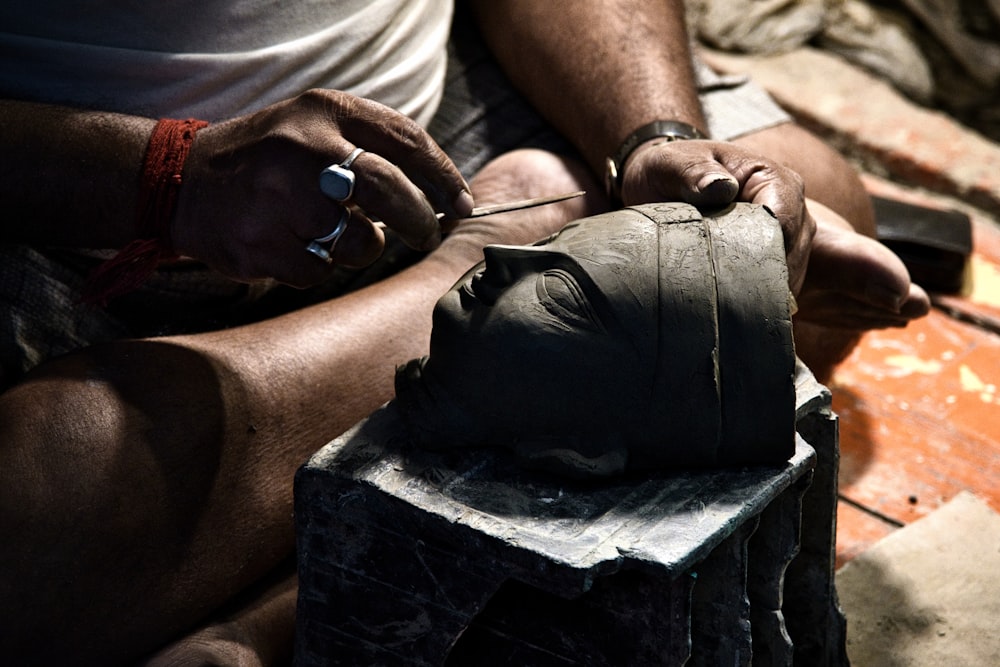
x: 679, y: 171
x: 715, y: 188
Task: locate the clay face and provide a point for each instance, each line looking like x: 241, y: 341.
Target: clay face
x: 582, y: 354
x: 531, y: 344
x: 529, y: 322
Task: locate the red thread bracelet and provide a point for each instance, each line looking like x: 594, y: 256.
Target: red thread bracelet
x: 159, y: 186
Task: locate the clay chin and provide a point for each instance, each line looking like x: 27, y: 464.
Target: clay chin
x: 647, y: 338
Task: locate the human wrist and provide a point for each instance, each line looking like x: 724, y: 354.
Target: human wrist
x: 659, y: 131
x: 161, y: 178
x: 160, y: 181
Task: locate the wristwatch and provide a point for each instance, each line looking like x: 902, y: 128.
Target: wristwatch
x: 668, y: 130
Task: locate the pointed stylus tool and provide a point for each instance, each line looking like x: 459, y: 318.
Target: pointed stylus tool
x: 493, y: 209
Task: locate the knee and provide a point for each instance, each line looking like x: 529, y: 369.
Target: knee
x: 81, y: 431
x: 54, y: 438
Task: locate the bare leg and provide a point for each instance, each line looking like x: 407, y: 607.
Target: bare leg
x: 150, y: 481
x: 853, y: 283
x: 256, y: 630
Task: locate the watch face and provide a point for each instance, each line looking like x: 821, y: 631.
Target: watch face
x: 336, y: 182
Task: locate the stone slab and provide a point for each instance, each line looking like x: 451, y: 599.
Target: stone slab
x: 401, y: 552
x: 928, y: 594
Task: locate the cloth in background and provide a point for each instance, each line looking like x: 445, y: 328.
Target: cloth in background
x: 941, y: 53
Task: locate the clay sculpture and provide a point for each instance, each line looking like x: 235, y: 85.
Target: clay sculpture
x: 646, y: 338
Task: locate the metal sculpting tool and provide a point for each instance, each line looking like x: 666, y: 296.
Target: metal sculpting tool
x: 493, y: 209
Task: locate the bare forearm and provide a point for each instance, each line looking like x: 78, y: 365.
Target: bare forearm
x: 69, y: 177
x: 597, y: 69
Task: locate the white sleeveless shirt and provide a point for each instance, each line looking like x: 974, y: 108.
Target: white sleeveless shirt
x: 216, y: 59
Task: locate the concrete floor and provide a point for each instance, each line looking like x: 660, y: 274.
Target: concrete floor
x: 929, y: 594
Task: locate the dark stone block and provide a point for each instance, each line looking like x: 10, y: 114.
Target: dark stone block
x: 429, y: 558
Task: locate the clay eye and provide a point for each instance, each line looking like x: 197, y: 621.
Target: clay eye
x: 561, y: 295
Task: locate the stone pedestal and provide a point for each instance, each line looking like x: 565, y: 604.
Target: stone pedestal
x: 418, y: 558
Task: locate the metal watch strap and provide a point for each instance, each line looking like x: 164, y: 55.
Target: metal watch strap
x: 668, y: 130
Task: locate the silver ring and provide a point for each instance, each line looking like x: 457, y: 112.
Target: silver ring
x: 349, y: 160
x: 320, y: 252
x: 316, y: 245
x: 335, y: 235
x: 337, y: 180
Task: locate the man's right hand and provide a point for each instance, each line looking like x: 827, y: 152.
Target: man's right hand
x: 251, y: 202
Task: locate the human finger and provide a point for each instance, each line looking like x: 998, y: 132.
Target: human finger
x: 710, y: 174
x: 677, y: 171
x: 351, y: 240
x: 782, y: 191
x: 384, y: 192
x: 407, y: 146
x: 361, y: 244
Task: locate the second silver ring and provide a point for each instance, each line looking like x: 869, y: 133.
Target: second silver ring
x: 338, y: 230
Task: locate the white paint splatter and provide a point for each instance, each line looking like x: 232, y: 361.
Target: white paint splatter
x: 974, y: 384
x: 913, y: 364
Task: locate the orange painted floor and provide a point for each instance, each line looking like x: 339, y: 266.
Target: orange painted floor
x: 920, y: 410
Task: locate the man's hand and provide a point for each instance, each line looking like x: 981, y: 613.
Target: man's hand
x: 251, y: 202
x: 711, y: 174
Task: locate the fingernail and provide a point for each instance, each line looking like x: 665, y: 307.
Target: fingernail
x: 718, y: 185
x: 463, y: 204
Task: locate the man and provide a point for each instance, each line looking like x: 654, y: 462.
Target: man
x: 147, y: 479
